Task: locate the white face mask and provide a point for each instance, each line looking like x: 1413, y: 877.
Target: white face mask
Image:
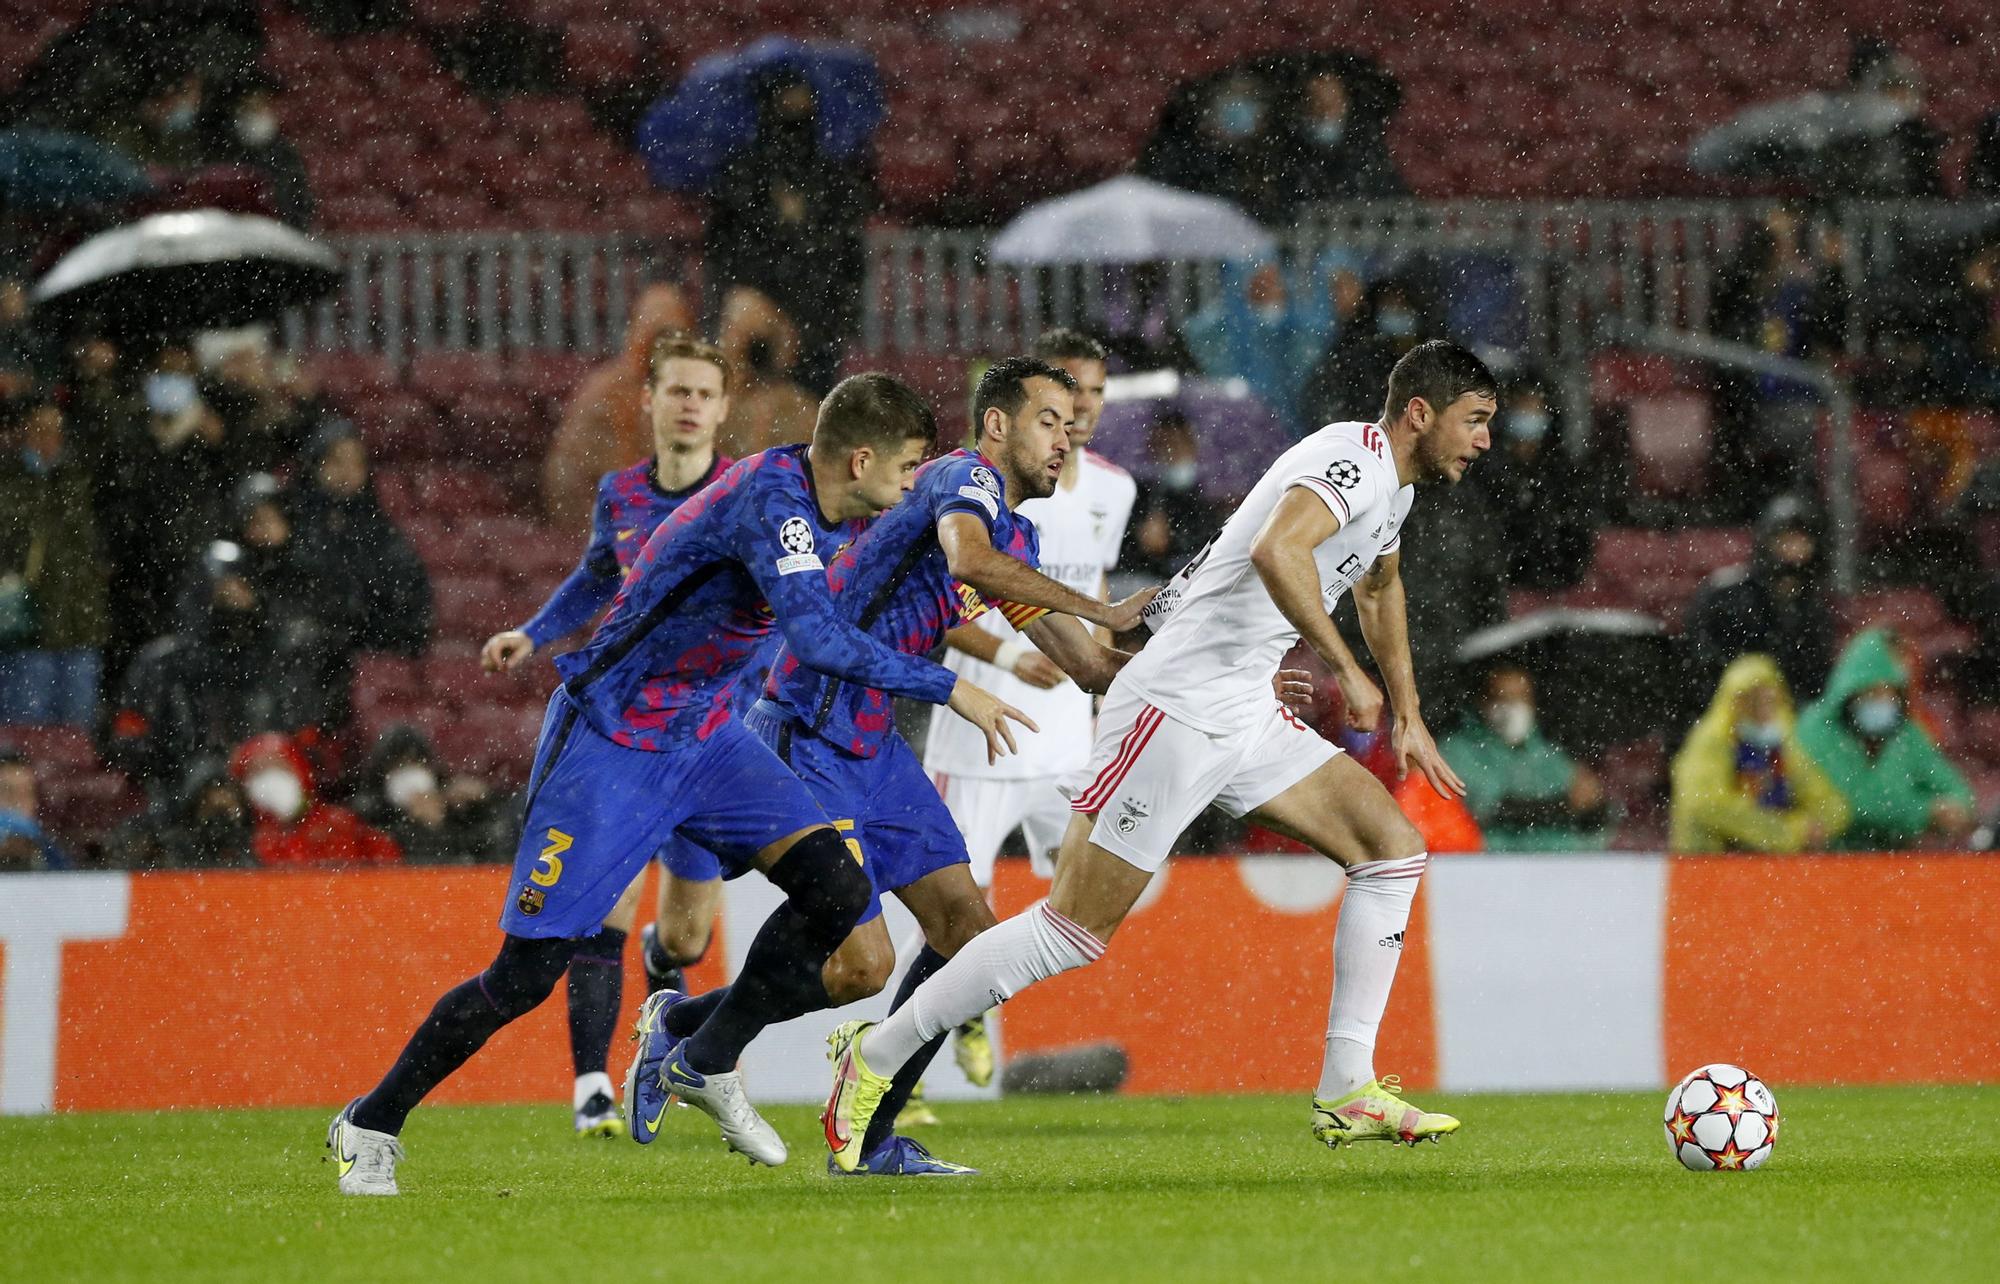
x: 256, y: 128
x: 277, y: 792
x: 1511, y: 720
x: 1180, y: 476
x: 407, y: 782
x: 1761, y: 735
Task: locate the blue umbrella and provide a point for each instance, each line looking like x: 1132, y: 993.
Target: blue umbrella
x: 689, y: 135
x: 42, y: 169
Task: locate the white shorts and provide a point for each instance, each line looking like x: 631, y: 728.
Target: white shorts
x: 989, y: 810
x: 1149, y: 775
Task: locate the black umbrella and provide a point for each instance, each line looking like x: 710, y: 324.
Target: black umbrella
x: 185, y: 271
x: 1601, y: 677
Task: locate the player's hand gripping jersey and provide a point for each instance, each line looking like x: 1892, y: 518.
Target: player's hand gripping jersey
x: 1218, y: 636
x: 713, y: 580
x: 894, y: 585
x: 630, y: 504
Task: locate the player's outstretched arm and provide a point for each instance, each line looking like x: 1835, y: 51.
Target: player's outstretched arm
x: 1013, y: 655
x: 970, y: 556
x: 990, y: 714
x: 588, y: 589
x: 1379, y: 604
x: 1067, y: 642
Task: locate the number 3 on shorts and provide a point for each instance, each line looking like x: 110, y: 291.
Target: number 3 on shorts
x: 549, y: 867
x: 853, y: 844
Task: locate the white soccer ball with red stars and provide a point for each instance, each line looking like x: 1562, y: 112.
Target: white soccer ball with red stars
x: 1721, y: 1118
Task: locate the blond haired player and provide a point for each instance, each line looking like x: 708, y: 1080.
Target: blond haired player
x: 1193, y: 720
x: 1081, y: 527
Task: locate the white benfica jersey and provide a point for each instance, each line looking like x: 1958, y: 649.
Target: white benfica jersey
x: 1080, y: 532
x: 1217, y: 636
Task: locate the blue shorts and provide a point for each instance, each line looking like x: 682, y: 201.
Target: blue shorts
x: 885, y: 805
x: 688, y: 861
x: 597, y: 812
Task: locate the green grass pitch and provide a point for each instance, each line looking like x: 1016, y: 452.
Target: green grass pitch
x: 1867, y: 1184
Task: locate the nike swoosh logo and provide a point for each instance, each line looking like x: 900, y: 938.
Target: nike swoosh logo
x: 345, y: 1155
x: 653, y: 1124
x: 679, y: 1074
x: 1376, y: 1115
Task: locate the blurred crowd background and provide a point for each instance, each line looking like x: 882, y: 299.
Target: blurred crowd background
x: 244, y: 571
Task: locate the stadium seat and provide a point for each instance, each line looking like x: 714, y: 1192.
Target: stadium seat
x: 1670, y: 442
x: 59, y: 748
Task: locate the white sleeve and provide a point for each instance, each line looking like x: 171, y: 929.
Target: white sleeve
x: 1348, y: 478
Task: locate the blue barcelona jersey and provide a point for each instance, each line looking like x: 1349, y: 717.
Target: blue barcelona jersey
x: 893, y: 584
x: 629, y: 505
x: 738, y: 560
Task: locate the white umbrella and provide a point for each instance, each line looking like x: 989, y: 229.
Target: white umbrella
x: 1131, y: 220
x: 1794, y: 132
x: 193, y: 269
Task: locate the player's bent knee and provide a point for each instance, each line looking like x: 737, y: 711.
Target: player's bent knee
x: 822, y: 881
x: 685, y: 943
x: 853, y: 975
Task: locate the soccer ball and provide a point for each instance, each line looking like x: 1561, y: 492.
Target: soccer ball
x: 1721, y: 1117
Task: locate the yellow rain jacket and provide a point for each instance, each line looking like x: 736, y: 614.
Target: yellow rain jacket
x: 1718, y: 808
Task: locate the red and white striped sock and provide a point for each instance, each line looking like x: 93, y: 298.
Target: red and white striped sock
x: 999, y: 963
x: 1367, y: 946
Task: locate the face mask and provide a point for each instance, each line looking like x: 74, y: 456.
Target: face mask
x: 37, y: 463
x: 256, y: 128
x: 1529, y: 425
x: 1181, y: 476
x: 1762, y: 735
x: 1511, y: 720
x: 276, y: 792
x: 1237, y: 118
x: 169, y: 394
x: 180, y: 118
x: 1327, y: 133
x: 406, y: 782
x: 1878, y: 715
x: 1270, y: 313
x: 1396, y: 323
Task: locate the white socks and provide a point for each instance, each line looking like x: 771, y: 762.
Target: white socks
x: 1000, y: 962
x: 1367, y: 945
x: 588, y: 1085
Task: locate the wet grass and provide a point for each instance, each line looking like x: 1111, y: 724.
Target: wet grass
x: 1867, y: 1184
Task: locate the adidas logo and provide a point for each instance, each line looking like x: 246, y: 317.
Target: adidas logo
x: 1391, y: 942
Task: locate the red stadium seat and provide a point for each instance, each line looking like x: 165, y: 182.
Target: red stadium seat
x: 65, y: 749
x: 396, y: 426
x: 470, y: 608
x: 1670, y: 443
x: 441, y: 376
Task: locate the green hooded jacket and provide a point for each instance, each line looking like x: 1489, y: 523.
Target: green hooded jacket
x: 1892, y: 790
x: 1497, y: 773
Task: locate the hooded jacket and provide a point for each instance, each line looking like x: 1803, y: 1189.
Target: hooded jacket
x: 322, y: 833
x: 1714, y: 809
x: 1741, y: 610
x: 1892, y: 790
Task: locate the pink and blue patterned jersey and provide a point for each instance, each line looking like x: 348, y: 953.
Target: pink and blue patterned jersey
x: 713, y: 581
x: 629, y: 505
x: 894, y: 585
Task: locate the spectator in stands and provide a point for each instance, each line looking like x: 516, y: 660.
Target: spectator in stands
x: 1173, y: 520
x: 1776, y: 606
x: 292, y: 827
x: 205, y: 826
x: 1251, y: 332
x: 163, y: 130
x: 1333, y: 144
x: 1982, y: 171
x: 195, y: 692
x: 768, y: 409
x: 370, y: 589
x: 1390, y: 321
x: 171, y: 473
x: 1742, y: 781
x: 1899, y: 788
x: 248, y: 135
x: 1902, y: 162
x: 1546, y: 517
x: 1783, y: 292
x: 52, y: 581
x: 785, y: 220
x: 1527, y: 794
x: 1220, y: 137
x: 604, y: 428
x: 437, y: 816
x: 1450, y: 596
x: 24, y: 844
x: 268, y: 402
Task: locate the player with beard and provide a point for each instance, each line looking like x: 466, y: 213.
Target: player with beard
x: 1191, y: 721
